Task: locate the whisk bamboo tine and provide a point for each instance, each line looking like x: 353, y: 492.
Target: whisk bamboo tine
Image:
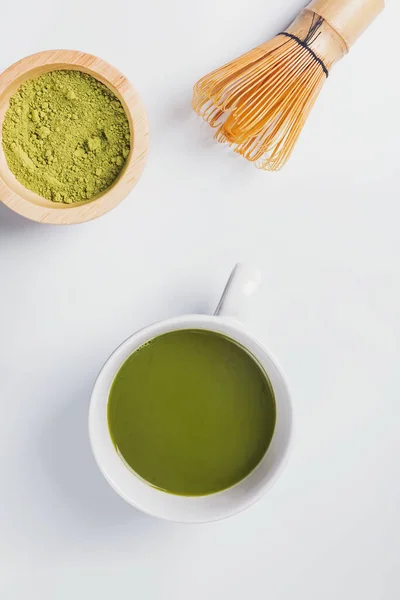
x: 259, y: 102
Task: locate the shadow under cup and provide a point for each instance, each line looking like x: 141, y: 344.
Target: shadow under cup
x: 190, y: 509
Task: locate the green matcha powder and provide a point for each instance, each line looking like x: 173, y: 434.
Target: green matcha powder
x: 65, y: 136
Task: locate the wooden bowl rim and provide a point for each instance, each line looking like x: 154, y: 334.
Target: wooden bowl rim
x: 66, y: 214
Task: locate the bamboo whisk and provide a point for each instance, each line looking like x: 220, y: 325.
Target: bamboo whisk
x: 260, y: 101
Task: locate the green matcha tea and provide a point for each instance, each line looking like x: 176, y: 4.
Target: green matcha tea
x: 66, y: 136
x: 191, y: 412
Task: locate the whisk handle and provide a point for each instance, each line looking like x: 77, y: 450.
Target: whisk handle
x: 349, y: 18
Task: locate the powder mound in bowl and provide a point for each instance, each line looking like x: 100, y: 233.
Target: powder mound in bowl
x: 66, y: 136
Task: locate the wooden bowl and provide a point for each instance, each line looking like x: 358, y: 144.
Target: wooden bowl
x: 31, y: 205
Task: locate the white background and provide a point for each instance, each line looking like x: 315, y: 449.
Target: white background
x: 325, y: 231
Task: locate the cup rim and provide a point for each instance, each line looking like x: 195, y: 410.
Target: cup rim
x: 192, y: 509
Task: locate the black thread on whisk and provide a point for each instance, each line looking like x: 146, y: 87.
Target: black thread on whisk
x: 309, y: 39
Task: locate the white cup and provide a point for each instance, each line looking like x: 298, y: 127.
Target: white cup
x: 243, y: 281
